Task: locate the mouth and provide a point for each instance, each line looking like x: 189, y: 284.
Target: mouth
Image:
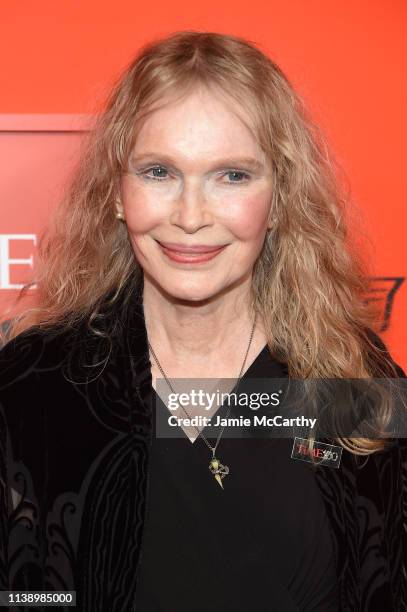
x: 190, y: 253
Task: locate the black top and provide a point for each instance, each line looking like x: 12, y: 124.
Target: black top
x: 264, y: 542
x: 75, y: 447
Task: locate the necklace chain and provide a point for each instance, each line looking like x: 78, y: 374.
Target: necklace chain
x: 211, y: 448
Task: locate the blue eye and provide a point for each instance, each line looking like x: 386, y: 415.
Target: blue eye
x: 239, y: 173
x: 154, y: 168
x: 158, y: 171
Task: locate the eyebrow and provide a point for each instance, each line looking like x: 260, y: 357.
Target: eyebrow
x: 229, y: 162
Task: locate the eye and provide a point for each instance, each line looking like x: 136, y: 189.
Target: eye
x: 159, y: 170
x: 239, y: 174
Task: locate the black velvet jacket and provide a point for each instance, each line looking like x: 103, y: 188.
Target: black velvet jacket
x: 75, y: 452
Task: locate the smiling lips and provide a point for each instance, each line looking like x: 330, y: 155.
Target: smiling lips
x: 190, y: 254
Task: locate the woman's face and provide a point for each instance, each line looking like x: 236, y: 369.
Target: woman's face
x: 197, y: 177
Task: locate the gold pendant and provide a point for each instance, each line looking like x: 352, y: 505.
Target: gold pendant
x: 218, y: 470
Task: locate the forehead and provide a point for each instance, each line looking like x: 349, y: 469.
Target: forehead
x: 204, y: 121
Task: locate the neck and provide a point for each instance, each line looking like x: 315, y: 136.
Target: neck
x: 202, y: 338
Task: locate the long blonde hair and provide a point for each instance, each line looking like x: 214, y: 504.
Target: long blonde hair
x: 309, y: 283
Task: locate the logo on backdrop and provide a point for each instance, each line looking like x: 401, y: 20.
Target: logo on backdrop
x: 12, y: 245
x: 383, y: 290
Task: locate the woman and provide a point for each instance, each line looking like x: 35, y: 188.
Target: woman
x: 203, y: 236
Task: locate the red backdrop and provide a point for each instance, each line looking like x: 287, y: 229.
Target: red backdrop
x: 348, y: 60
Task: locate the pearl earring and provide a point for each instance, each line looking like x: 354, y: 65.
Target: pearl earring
x: 119, y: 213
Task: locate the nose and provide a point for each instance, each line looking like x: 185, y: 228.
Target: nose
x: 191, y: 209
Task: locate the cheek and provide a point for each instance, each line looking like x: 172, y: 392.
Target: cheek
x: 249, y: 217
x: 141, y: 214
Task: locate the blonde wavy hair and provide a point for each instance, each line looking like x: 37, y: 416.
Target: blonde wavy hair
x: 309, y: 282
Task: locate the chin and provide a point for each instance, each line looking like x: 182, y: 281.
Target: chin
x: 190, y: 294
x: 187, y: 287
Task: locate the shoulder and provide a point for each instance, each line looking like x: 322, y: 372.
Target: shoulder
x: 379, y: 344
x: 73, y: 346
x: 37, y: 385
x: 31, y: 351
